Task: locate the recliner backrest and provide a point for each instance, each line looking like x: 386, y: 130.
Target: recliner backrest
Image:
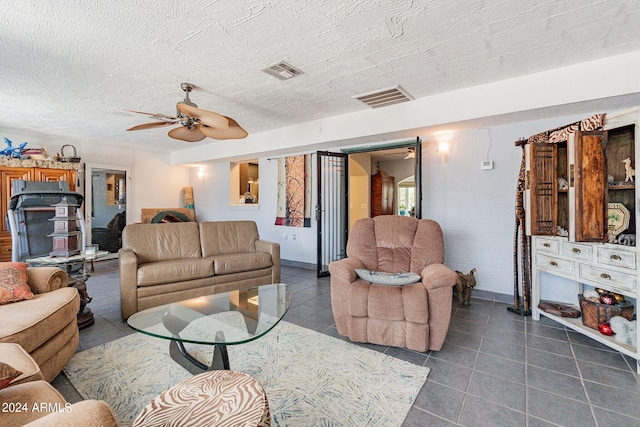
x: 396, y: 244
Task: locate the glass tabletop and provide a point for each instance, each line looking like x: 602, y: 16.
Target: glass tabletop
x: 219, y: 319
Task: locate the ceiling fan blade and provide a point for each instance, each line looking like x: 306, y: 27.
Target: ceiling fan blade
x: 184, y: 134
x: 206, y: 117
x: 234, y: 131
x: 158, y: 116
x: 150, y: 125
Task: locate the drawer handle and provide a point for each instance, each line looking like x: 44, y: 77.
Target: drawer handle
x: 553, y: 263
x: 576, y: 250
x: 7, y: 250
x: 615, y: 257
x: 546, y: 245
x: 605, y: 276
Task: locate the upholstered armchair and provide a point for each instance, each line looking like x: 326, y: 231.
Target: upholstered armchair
x: 414, y: 315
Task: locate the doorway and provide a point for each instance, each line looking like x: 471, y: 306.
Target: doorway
x: 107, y: 190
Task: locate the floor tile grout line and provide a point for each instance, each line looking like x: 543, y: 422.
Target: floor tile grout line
x: 584, y: 387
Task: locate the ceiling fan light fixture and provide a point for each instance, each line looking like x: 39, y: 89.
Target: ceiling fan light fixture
x: 195, y: 123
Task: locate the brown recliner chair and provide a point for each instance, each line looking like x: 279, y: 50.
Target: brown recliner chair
x: 416, y: 315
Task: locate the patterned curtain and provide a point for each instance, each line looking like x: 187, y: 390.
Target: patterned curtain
x: 294, y: 191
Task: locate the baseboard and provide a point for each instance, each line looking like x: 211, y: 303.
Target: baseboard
x: 299, y: 264
x: 490, y: 296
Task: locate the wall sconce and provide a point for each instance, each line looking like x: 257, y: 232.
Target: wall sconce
x: 201, y: 173
x: 444, y: 146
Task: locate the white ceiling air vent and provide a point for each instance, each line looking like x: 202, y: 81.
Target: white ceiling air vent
x: 283, y: 71
x: 384, y: 97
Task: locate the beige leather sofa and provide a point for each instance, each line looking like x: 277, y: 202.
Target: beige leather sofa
x: 45, y: 326
x: 170, y: 262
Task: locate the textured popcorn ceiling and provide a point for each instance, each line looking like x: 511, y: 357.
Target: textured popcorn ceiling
x: 70, y: 68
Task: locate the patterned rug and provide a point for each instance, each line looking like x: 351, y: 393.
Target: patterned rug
x: 311, y: 379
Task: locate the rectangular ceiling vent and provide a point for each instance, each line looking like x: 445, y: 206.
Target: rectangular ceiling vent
x: 283, y: 71
x: 384, y: 97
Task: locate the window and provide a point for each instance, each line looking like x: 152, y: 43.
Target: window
x: 407, y: 196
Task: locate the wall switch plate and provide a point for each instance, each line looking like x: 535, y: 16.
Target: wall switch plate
x: 486, y: 165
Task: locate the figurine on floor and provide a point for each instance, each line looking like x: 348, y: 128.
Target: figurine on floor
x: 464, y: 284
x: 625, y: 330
x: 628, y: 170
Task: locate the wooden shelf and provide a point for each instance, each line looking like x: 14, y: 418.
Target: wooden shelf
x: 629, y: 186
x: 576, y: 325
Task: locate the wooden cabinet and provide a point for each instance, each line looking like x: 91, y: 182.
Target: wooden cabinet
x: 8, y: 174
x: 382, y: 194
x: 584, y: 231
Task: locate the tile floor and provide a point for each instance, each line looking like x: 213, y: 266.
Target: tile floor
x: 496, y: 368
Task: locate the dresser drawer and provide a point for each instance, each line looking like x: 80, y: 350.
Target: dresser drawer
x: 608, y: 278
x: 555, y: 265
x: 577, y: 251
x: 547, y: 245
x: 618, y: 258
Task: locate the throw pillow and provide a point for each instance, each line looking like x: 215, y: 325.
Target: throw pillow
x: 7, y: 374
x: 391, y: 279
x: 13, y: 282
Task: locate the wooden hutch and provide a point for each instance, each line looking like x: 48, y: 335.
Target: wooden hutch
x: 582, y: 215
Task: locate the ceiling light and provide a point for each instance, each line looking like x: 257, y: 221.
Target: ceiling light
x: 384, y: 97
x: 282, y: 70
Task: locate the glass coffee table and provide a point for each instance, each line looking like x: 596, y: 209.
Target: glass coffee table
x: 222, y: 319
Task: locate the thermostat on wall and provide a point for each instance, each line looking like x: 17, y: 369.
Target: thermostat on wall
x: 486, y: 165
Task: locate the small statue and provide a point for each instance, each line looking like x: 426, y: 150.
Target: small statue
x: 463, y: 286
x: 563, y: 184
x: 628, y: 170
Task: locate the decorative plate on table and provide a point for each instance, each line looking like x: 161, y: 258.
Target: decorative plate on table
x: 618, y: 217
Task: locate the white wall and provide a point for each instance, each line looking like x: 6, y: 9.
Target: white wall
x: 212, y: 194
x: 475, y: 208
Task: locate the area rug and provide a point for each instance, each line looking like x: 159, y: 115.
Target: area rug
x: 311, y: 379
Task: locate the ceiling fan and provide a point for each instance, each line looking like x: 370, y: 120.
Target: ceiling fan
x: 195, y: 123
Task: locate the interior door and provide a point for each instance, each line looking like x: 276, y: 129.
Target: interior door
x: 331, y: 210
x: 107, y: 204
x: 418, y: 178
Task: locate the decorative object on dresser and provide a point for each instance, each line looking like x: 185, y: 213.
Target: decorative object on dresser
x: 629, y: 171
x: 625, y: 330
x: 599, y: 210
x: 464, y: 284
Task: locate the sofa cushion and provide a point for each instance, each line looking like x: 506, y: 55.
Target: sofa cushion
x: 234, y: 263
x: 162, y: 242
x: 157, y: 273
x: 228, y: 237
x: 13, y: 282
x: 32, y: 322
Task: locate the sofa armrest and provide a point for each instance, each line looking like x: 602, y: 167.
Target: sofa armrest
x: 128, y: 282
x: 435, y: 276
x: 95, y: 413
x: 345, y: 269
x: 46, y: 279
x: 273, y: 249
